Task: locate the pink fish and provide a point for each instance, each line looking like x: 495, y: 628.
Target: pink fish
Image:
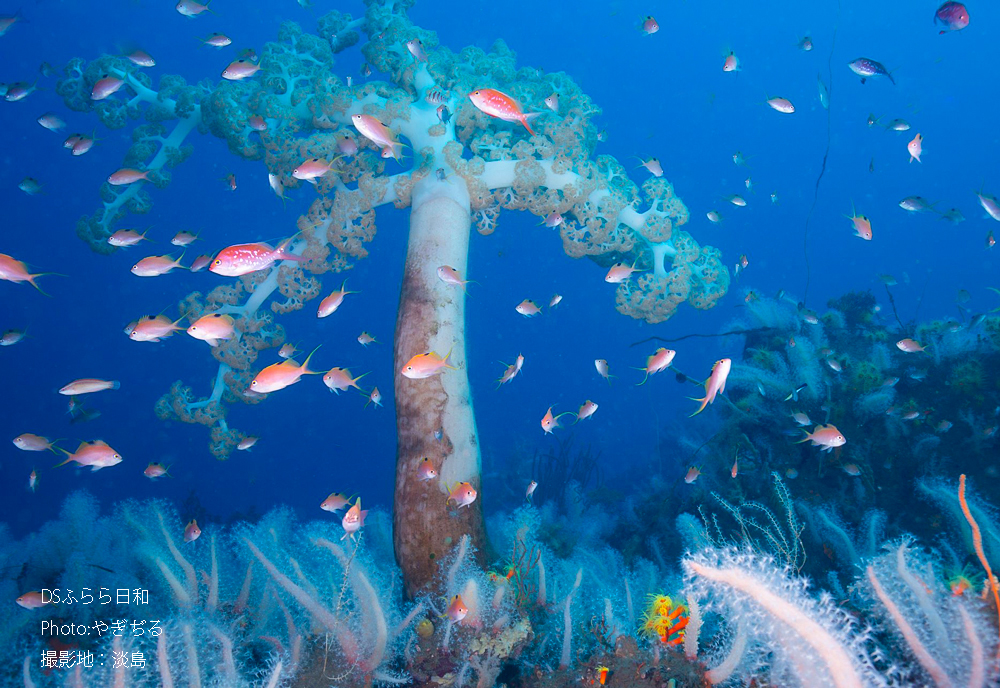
x: 125, y: 238
x: 550, y: 422
x: 239, y: 70
x: 425, y: 469
x: 915, y: 148
x: 587, y: 409
x: 96, y: 454
x: 88, y: 386
x: 715, y: 384
x: 500, y: 105
x: 30, y: 442
x: 155, y: 470
x: 154, y: 266
x: 909, y: 346
x: 16, y: 271
x: 658, y: 362
x: 463, y: 494
x: 826, y: 436
x: 335, y: 502
x: 353, y: 520
x: 105, y: 87
x: 213, y: 328
x: 332, y: 302
x: 456, y: 610
x: 191, y: 531
x: 216, y: 40
x: 528, y: 308
x: 277, y: 376
x: 128, y: 175
x: 953, y: 16
x: 426, y: 365
x: 190, y: 8
x: 339, y: 380
x: 242, y: 259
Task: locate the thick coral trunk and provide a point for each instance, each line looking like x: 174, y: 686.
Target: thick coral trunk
x: 434, y: 416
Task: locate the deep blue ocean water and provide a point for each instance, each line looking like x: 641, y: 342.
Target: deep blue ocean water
x: 663, y: 95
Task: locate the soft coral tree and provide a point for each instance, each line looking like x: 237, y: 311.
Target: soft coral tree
x: 466, y: 166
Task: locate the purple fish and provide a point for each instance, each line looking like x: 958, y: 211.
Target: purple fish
x: 865, y: 68
x: 953, y: 16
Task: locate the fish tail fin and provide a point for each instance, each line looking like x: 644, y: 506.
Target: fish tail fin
x: 69, y: 457
x: 305, y: 364
x: 804, y: 439
x: 115, y: 384
x: 525, y: 119
x: 447, y: 358
x: 282, y: 252
x: 646, y: 377
x: 31, y: 280
x: 704, y: 403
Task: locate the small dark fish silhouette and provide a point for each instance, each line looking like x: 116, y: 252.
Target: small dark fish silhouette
x: 871, y: 165
x: 865, y: 68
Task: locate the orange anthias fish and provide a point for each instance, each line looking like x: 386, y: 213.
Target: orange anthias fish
x: 96, y: 454
x: 550, y: 422
x: 649, y: 26
x: 33, y: 480
x: 532, y: 486
x: 374, y: 397
x: 124, y: 238
x: 619, y: 273
x: 29, y: 442
x: 312, y: 168
x: 862, y: 225
x: 463, y: 494
x: 692, y: 475
x: 826, y: 436
x: 449, y: 275
x: 239, y: 70
x: 426, y: 365
x: 184, y: 238
x: 15, y: 271
x: 154, y: 266
x: 156, y: 470
x: 376, y: 132
x: 715, y: 384
x: 88, y: 385
x: 128, y: 175
x: 246, y: 443
x: 213, y: 328
x: 364, y: 339
x: 915, y: 147
x: 732, y: 63
x: 242, y: 259
x: 500, y: 105
x: 425, y: 469
x: 910, y: 346
x: 191, y: 531
x: 105, y: 87
x: 660, y: 360
x: 736, y: 465
x: 33, y: 600
x: 280, y: 375
x: 353, y: 520
x: 587, y: 409
x: 153, y: 328
x: 335, y: 502
x: 456, y: 610
x: 603, y: 369
x: 340, y: 380
x: 528, y: 308
x: 332, y: 302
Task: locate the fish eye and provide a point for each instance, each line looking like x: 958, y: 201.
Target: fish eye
x: 253, y: 384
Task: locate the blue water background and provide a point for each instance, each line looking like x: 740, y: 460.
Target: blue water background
x: 663, y: 95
